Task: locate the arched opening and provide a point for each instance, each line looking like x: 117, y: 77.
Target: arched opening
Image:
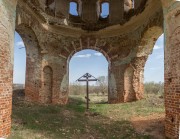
x: 19, y: 67
x: 155, y: 62
x: 73, y: 8
x: 104, y: 10
x: 33, y: 74
x: 133, y: 4
x: 154, y: 84
x: 93, y: 62
x: 154, y: 69
x: 128, y: 5
x: 19, y: 60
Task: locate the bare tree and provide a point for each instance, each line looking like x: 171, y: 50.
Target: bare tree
x: 102, y: 84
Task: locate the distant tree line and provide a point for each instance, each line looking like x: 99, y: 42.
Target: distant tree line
x: 99, y: 88
x: 154, y: 88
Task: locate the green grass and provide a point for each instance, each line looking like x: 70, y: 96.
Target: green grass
x: 112, y: 121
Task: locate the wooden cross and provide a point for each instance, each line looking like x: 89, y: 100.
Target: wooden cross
x: 87, y: 78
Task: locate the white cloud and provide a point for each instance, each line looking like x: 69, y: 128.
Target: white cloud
x: 97, y: 54
x: 156, y: 47
x: 83, y: 56
x: 20, y: 44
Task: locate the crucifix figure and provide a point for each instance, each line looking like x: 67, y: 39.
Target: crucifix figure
x: 87, y: 78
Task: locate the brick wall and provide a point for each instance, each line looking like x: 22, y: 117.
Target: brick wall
x: 172, y: 68
x: 7, y: 23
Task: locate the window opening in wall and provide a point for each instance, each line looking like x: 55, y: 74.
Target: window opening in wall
x: 133, y: 4
x: 104, y: 10
x: 128, y: 5
x: 93, y: 62
x: 73, y: 10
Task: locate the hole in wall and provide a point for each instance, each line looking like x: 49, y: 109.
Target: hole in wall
x: 172, y: 119
x: 73, y: 8
x: 170, y: 80
x: 128, y: 5
x: 104, y: 10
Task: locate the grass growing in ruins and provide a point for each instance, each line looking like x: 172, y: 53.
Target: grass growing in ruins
x: 104, y: 121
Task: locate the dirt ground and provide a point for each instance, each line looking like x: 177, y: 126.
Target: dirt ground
x: 150, y: 125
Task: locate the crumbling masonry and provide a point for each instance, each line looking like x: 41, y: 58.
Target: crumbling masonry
x: 126, y: 37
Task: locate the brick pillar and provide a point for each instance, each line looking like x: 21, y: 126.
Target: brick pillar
x: 172, y: 67
x: 33, y: 73
x: 89, y: 11
x: 116, y: 11
x: 129, y: 92
x: 7, y: 25
x: 126, y: 81
x: 116, y: 83
x: 138, y: 77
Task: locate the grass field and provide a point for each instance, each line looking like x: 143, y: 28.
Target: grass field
x: 137, y: 120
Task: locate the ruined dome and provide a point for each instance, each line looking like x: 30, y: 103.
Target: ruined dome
x: 88, y: 13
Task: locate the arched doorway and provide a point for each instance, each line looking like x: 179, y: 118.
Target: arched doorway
x: 93, y: 62
x: 19, y: 61
x: 33, y: 59
x: 154, y: 70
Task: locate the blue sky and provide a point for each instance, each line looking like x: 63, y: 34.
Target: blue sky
x: 154, y: 68
x: 19, y: 60
x: 87, y: 61
x: 93, y: 62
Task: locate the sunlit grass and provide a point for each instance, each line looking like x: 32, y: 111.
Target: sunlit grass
x: 104, y: 121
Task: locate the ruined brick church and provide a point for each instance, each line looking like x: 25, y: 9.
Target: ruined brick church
x: 52, y: 35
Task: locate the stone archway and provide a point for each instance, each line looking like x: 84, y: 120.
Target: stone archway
x: 89, y: 60
x: 144, y: 49
x: 33, y: 60
x: 92, y: 44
